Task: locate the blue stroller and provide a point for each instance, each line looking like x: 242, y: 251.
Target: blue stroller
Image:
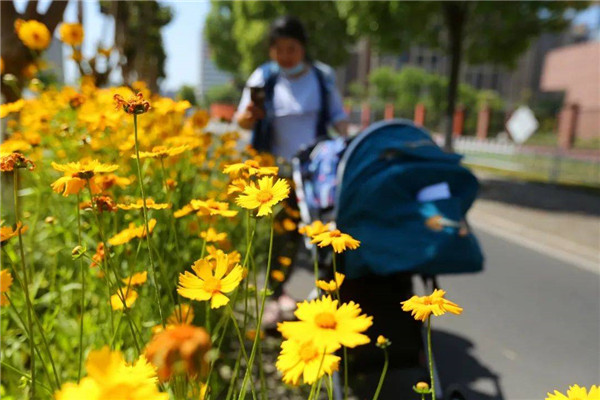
x: 395, y: 190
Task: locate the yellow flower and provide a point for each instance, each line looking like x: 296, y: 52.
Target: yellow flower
x: 84, y: 169
x: 6, y: 281
x: 236, y: 186
x: 284, y: 261
x: 162, y: 152
x: 212, y: 235
x: 338, y: 240
x: 71, y: 34
x: 328, y: 326
x: 107, y: 181
x: 131, y: 232
x: 422, y: 307
x: 331, y: 286
x: 316, y: 228
x: 265, y: 196
x: 10, y: 161
x: 9, y: 108
x: 33, y: 34
x: 211, y: 285
x: 252, y: 167
x: 206, y: 207
x: 139, y: 204
x: 110, y: 377
x: 576, y: 392
x: 136, y: 279
x: 303, y: 359
x: 129, y: 296
x: 289, y: 225
x: 233, y: 258
x: 7, y: 232
x: 277, y: 275
x: 383, y: 342
x: 200, y: 119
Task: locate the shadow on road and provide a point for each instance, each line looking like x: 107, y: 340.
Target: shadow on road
x: 457, y: 365
x: 540, y: 196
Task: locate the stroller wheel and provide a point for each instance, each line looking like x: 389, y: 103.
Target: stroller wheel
x: 454, y: 392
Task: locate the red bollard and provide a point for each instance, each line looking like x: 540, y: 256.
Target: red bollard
x: 483, y: 123
x: 388, y: 113
x: 365, y: 116
x: 419, y: 118
x: 458, y: 122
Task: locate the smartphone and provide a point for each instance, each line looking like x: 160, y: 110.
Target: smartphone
x: 257, y: 95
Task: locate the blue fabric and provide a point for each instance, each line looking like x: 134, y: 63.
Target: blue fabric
x: 321, y: 171
x: 378, y: 205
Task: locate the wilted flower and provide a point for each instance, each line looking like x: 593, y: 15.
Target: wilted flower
x: 179, y: 350
x: 135, y: 105
x: 10, y: 161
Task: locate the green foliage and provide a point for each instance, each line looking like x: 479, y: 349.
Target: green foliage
x: 227, y: 93
x: 237, y: 32
x: 187, y: 92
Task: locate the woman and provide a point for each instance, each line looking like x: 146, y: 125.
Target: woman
x: 298, y: 103
x: 301, y: 101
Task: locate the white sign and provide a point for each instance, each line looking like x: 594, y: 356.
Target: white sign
x: 522, y: 124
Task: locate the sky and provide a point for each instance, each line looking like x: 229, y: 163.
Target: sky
x: 182, y: 36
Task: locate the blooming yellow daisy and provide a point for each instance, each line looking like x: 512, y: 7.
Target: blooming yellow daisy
x: 71, y: 34
x: 213, y: 207
x: 7, y: 232
x: 333, y: 285
x: 136, y: 279
x: 131, y: 232
x: 212, y: 236
x: 422, y: 307
x: 162, y: 152
x: 328, y: 325
x: 211, y: 285
x: 129, y: 296
x: 303, y: 359
x: 139, y: 204
x: 34, y: 34
x: 316, y: 228
x: 576, y: 392
x: 265, y: 196
x: 236, y: 186
x: 6, y: 281
x: 77, y: 174
x: 338, y: 240
x: 251, y: 167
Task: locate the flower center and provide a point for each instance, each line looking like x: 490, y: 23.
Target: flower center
x: 325, y: 320
x: 335, y: 233
x: 264, y: 196
x: 308, y: 352
x: 212, y: 285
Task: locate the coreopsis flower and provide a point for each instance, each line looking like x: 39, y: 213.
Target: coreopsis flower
x: 302, y: 359
x: 264, y: 196
x: 10, y: 161
x: 200, y: 119
x: 576, y: 392
x: 332, y: 285
x: 100, y: 203
x: 212, y: 236
x: 110, y: 377
x: 233, y: 258
x: 7, y: 232
x: 421, y: 307
x: 139, y: 204
x: 277, y: 275
x: 208, y: 284
x: 284, y: 261
x: 136, y: 279
x: 251, y: 167
x: 382, y: 342
x: 107, y: 181
x: 162, y: 152
x: 288, y: 225
x: 135, y: 105
x: 328, y: 325
x: 179, y: 350
x: 314, y: 229
x: 208, y: 207
x: 71, y: 34
x: 338, y: 240
x: 6, y: 281
x: 77, y: 174
x: 132, y: 232
x: 9, y: 108
x: 98, y: 257
x: 236, y: 186
x: 123, y: 295
x: 33, y: 34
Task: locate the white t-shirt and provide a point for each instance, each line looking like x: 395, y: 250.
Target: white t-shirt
x: 296, y: 105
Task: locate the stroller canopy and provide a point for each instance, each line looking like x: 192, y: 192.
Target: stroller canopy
x: 381, y: 179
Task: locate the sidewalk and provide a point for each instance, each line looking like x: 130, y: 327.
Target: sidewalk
x: 561, y: 221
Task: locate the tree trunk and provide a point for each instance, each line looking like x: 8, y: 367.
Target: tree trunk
x: 455, y: 16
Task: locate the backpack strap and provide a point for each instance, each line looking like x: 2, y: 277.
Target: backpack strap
x: 323, y: 119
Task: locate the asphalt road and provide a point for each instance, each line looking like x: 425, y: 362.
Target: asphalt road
x: 531, y: 325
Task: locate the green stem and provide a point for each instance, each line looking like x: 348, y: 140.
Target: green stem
x: 173, y: 229
x: 316, y: 268
x: 314, y: 390
x: 345, y: 350
x: 430, y: 356
x: 24, y: 375
x: 383, y: 373
x: 25, y: 283
x: 154, y: 272
x: 82, y: 306
x: 248, y: 373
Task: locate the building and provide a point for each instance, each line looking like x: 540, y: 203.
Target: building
x: 210, y: 74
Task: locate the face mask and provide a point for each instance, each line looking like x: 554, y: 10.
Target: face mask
x: 293, y: 70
